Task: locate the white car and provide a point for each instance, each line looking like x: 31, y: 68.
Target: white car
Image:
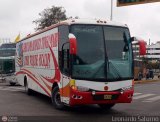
x: 11, y: 79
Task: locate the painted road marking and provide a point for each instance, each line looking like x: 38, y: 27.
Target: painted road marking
x: 12, y: 88
x: 152, y: 99
x: 9, y: 90
x: 136, y: 94
x: 142, y: 96
x: 19, y: 88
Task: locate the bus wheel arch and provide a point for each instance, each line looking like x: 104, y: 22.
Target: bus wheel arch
x: 27, y: 89
x: 56, y: 98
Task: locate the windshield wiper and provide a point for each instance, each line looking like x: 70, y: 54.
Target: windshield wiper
x: 116, y: 71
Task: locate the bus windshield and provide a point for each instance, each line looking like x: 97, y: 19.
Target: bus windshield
x: 6, y: 52
x: 7, y: 58
x: 103, y: 53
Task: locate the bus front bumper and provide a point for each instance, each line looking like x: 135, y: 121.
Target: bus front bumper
x: 81, y: 98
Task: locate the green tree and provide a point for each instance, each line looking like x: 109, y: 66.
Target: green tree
x: 50, y: 16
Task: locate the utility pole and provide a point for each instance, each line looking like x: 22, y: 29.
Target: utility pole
x: 111, y: 10
x: 149, y: 41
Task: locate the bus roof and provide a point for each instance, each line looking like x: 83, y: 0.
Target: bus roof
x: 93, y: 21
x: 78, y: 21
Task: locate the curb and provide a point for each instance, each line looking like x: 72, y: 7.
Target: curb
x: 146, y: 81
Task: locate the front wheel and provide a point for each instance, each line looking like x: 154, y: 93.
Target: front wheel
x: 56, y: 98
x: 106, y: 106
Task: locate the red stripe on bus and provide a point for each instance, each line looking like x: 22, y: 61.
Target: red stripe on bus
x: 34, y: 79
x: 57, y: 75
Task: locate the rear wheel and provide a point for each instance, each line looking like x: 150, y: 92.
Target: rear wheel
x: 27, y: 90
x: 56, y: 98
x: 106, y: 106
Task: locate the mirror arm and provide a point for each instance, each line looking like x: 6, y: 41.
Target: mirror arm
x: 64, y: 44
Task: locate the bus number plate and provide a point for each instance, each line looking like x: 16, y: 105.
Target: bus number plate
x: 107, y: 97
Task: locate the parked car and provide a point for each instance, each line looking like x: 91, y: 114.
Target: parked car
x: 11, y: 79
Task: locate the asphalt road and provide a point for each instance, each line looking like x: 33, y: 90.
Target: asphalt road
x: 18, y: 106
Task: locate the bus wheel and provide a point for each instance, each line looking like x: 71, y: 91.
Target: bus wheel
x: 106, y: 106
x: 56, y: 98
x: 27, y: 90
x: 12, y: 84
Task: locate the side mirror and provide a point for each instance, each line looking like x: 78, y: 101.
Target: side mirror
x: 141, y: 43
x: 133, y: 39
x: 73, y: 44
x: 142, y: 47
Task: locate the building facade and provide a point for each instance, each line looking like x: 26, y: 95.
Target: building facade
x: 153, y: 52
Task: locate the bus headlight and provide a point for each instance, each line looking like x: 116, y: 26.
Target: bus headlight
x: 127, y: 88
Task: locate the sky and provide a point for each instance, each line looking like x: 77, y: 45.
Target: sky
x: 17, y: 16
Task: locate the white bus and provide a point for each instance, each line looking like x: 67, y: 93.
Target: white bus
x: 78, y: 62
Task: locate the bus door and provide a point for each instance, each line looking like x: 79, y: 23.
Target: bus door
x: 65, y: 68
x: 64, y: 61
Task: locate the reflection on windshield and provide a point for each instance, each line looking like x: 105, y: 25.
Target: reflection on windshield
x: 90, y: 44
x: 102, y: 52
x: 118, y: 53
x: 115, y: 41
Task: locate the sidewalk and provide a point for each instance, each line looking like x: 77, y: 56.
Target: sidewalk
x: 148, y: 80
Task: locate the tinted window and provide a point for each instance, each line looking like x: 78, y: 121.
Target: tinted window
x: 63, y: 55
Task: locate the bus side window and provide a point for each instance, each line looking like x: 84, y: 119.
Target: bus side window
x: 65, y: 59
x: 63, y: 49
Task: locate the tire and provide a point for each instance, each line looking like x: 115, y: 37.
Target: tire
x: 12, y: 84
x: 27, y: 90
x: 56, y: 100
x: 106, y: 106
